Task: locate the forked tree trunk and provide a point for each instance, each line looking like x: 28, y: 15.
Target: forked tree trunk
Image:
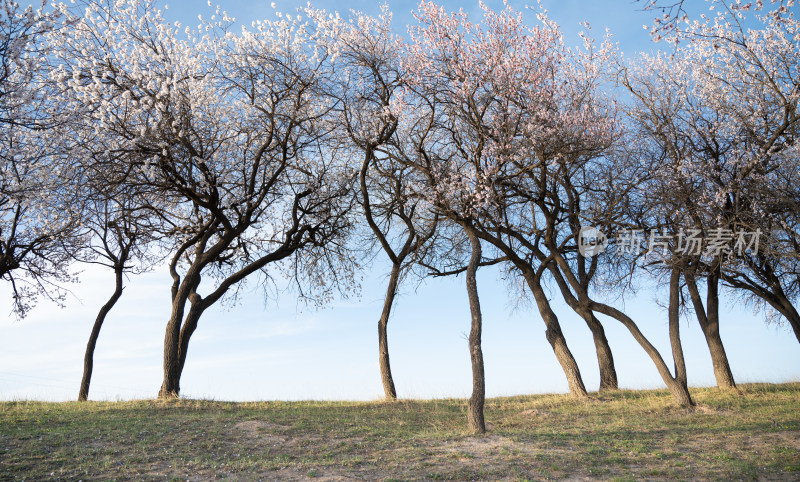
x: 383, y: 340
x: 708, y: 318
x: 678, y: 388
x: 88, y: 359
x: 476, y: 401
x: 189, y: 326
x: 605, y: 359
x: 170, y: 386
x: 397, y: 262
x: 180, y: 328
x: 556, y: 338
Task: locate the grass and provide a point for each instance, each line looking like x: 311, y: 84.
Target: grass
x: 620, y: 436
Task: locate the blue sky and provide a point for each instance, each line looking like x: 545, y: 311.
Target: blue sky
x: 259, y: 350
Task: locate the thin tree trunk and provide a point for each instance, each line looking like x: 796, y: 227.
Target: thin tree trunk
x: 678, y: 390
x: 605, y: 359
x: 476, y: 401
x: 383, y: 341
x: 397, y: 263
x: 556, y: 339
x: 722, y: 368
x: 675, y: 326
x: 88, y: 359
x: 708, y: 318
x: 719, y: 358
x: 553, y: 332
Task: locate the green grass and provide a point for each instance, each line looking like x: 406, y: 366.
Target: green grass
x: 620, y: 436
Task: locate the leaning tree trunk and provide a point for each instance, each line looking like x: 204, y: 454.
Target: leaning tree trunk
x: 708, y: 318
x: 88, y: 359
x: 790, y: 313
x: 476, y: 401
x: 383, y: 340
x: 678, y: 389
x: 556, y: 338
x: 605, y: 359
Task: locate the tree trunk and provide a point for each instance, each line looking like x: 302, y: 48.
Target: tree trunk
x: 708, y: 318
x: 605, y: 359
x: 675, y: 326
x: 722, y: 370
x: 553, y: 332
x: 476, y: 401
x: 556, y: 338
x: 189, y: 325
x: 170, y: 386
x: 792, y: 316
x: 383, y: 341
x: 88, y: 359
x: 678, y: 390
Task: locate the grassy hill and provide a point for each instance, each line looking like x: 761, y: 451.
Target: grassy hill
x: 625, y: 435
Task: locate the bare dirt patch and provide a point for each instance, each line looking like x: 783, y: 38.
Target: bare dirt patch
x: 534, y: 413
x: 262, y: 431
x: 707, y: 409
